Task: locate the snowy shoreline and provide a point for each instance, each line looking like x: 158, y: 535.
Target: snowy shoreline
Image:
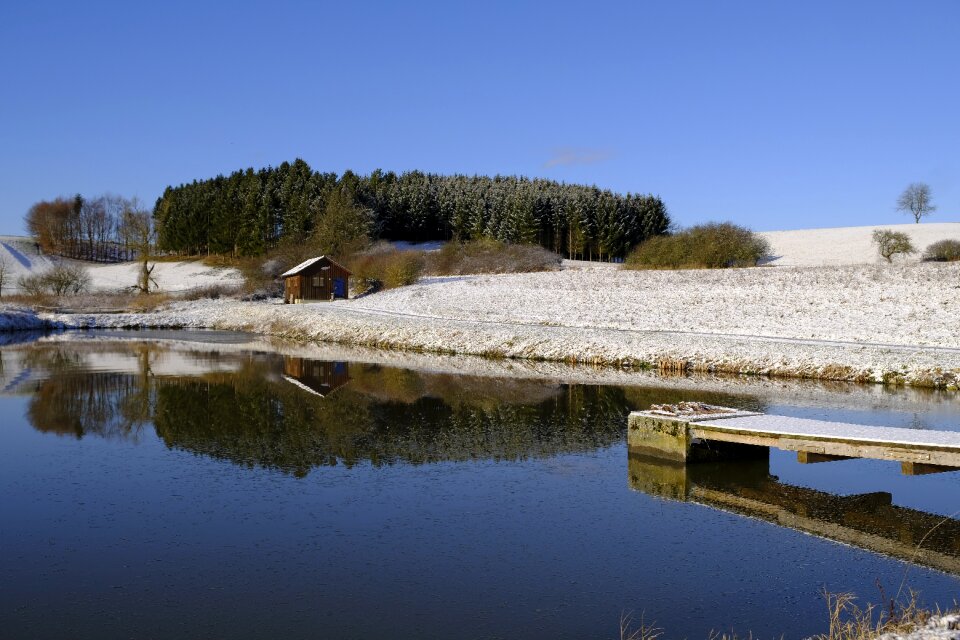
x: 888, y: 324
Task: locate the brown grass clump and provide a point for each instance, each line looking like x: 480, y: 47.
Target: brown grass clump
x: 33, y: 300
x: 848, y: 621
x: 490, y: 256
x: 148, y: 302
x: 115, y: 302
x: 707, y: 246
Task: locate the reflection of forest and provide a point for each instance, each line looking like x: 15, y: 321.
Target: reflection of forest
x: 250, y: 414
x: 383, y: 415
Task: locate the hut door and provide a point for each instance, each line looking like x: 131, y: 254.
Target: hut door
x: 339, y: 288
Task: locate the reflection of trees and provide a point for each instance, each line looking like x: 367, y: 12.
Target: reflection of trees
x: 110, y: 405
x: 283, y: 427
x: 252, y: 415
x: 75, y: 401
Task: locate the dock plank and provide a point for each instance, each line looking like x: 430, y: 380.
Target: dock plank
x: 781, y: 427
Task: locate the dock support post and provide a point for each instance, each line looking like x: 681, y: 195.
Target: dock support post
x: 811, y: 457
x: 922, y: 468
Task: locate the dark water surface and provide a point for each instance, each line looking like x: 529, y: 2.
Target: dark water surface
x: 165, y: 489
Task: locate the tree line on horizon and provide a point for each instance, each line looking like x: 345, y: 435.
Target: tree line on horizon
x: 105, y: 228
x: 249, y: 212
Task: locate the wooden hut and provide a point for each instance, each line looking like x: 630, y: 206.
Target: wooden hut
x: 316, y: 279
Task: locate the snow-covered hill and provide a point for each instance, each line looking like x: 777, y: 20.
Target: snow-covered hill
x: 22, y: 257
x: 849, y: 245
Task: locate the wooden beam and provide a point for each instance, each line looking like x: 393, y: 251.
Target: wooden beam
x: 813, y: 457
x: 922, y: 469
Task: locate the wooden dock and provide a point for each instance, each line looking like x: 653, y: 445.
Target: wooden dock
x: 694, y: 432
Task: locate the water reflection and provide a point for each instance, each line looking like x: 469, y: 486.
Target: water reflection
x: 293, y: 414
x: 869, y: 521
x: 206, y: 523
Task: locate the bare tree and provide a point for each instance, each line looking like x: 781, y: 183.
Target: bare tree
x: 916, y: 201
x: 139, y: 234
x: 4, y: 272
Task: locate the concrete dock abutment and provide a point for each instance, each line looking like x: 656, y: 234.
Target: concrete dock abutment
x: 659, y: 434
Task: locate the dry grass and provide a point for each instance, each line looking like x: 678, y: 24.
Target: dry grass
x: 106, y: 302
x: 148, y: 302
x: 220, y: 262
x: 642, y: 631
x: 846, y: 620
x: 35, y: 301
x: 849, y: 621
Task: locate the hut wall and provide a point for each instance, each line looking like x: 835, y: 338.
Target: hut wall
x: 320, y: 281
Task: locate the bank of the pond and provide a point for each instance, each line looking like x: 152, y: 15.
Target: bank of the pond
x: 18, y: 318
x: 815, y: 359
x: 894, y: 324
x: 942, y: 627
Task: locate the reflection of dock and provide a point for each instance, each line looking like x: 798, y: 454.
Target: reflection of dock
x: 868, y: 521
x: 696, y: 432
x: 319, y: 377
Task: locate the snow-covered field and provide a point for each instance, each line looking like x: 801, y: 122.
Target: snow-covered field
x: 877, y: 321
x: 22, y: 258
x: 850, y: 245
x: 169, y: 276
x: 894, y: 323
x: 916, y: 304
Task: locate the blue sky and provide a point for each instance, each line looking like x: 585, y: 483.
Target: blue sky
x: 774, y: 115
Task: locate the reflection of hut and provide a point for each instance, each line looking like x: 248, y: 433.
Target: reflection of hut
x: 316, y: 279
x: 318, y: 377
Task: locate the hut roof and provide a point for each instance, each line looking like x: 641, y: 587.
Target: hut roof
x: 306, y: 263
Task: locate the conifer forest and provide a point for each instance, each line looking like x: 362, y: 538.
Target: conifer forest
x: 251, y: 211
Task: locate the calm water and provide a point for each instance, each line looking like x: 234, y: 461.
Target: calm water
x: 154, y: 488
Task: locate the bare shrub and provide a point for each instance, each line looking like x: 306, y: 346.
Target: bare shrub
x: 490, y: 256
x: 942, y: 251
x: 62, y: 280
x: 5, y: 270
x: 707, y: 246
x: 890, y: 243
x: 386, y: 269
x: 65, y: 280
x: 32, y: 285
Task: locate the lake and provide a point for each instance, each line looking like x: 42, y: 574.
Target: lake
x: 208, y: 485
